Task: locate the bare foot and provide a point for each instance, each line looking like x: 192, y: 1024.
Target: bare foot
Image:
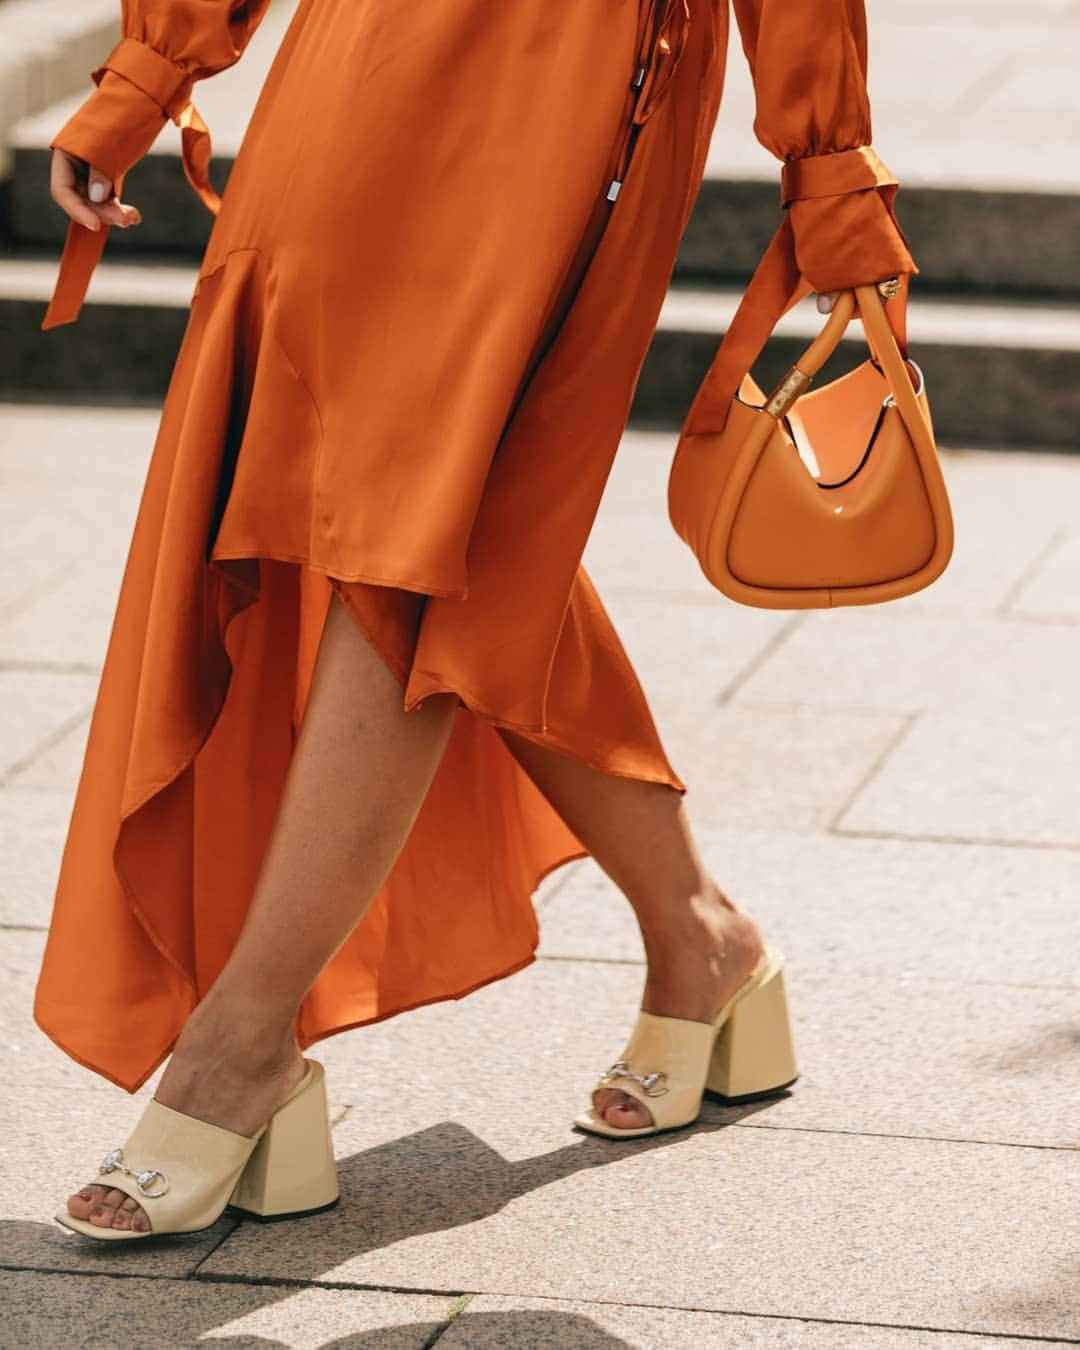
x: 707, y: 953
x: 225, y: 1069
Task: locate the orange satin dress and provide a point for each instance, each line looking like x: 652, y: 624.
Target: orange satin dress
x: 412, y: 349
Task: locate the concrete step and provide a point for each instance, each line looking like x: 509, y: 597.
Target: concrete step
x: 47, y: 48
x: 1003, y: 374
x: 965, y: 239
x: 120, y: 352
x: 998, y: 374
x: 984, y: 145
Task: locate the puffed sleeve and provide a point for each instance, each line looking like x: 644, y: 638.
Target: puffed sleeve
x: 166, y: 45
x: 808, y: 62
x: 146, y: 80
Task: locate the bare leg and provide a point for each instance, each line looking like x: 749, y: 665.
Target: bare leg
x: 699, y: 947
x: 356, y: 782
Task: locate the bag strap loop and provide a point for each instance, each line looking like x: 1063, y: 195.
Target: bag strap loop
x: 776, y: 287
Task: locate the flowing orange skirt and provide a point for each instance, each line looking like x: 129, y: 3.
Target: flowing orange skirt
x: 411, y: 354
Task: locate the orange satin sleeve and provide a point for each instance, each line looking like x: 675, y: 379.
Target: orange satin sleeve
x: 808, y: 62
x: 166, y: 45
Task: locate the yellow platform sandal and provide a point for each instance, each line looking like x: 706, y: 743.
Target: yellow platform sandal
x: 671, y: 1062
x: 186, y: 1172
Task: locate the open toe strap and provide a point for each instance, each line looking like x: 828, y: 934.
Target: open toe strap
x: 664, y: 1067
x: 181, y: 1170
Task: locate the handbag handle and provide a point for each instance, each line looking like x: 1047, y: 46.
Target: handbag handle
x: 879, y: 336
x: 776, y: 287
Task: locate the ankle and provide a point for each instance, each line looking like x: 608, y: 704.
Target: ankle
x: 706, y: 922
x: 233, y: 1022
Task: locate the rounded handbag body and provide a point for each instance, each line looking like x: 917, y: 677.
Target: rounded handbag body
x: 808, y: 500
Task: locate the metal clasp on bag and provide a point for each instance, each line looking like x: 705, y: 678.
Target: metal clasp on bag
x: 794, y: 384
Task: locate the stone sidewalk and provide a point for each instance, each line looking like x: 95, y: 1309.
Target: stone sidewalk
x: 894, y: 793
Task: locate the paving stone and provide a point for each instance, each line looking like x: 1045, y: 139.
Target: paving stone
x: 559, y: 1324
x: 35, y: 554
x: 71, y: 480
x: 902, y: 661
x: 999, y: 546
x: 987, y: 1062
x: 38, y: 706
x: 956, y: 778
x: 762, y: 768
x: 33, y: 824
x: 57, y: 767
x: 1053, y: 590
x: 793, y: 1223
x: 28, y: 1057
x: 70, y: 622
x: 884, y: 907
x: 690, y: 653
x: 87, y: 443
x: 50, y: 1311
x: 641, y: 554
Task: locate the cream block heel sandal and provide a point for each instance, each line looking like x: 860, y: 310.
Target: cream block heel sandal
x: 670, y: 1062
x: 185, y: 1172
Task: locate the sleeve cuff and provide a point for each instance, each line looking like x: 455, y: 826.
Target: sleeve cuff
x: 842, y: 217
x: 138, y: 89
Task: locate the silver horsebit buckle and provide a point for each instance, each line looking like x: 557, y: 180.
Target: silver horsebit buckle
x: 649, y: 1081
x: 114, y: 1162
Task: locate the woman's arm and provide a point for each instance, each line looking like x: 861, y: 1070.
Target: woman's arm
x: 144, y: 81
x: 808, y: 62
x: 166, y: 45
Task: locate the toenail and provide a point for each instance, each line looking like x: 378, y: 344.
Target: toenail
x: 96, y: 1213
x: 85, y: 1195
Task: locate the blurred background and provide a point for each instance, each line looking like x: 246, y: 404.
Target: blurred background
x: 975, y: 111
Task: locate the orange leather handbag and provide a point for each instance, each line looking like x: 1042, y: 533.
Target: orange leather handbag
x: 807, y: 500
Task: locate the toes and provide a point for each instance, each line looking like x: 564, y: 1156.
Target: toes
x: 103, y: 1213
x: 621, y: 1110
x: 629, y: 1114
x: 82, y: 1202
x: 125, y: 1213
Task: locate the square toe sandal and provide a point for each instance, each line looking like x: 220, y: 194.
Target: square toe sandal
x: 670, y: 1062
x: 186, y: 1172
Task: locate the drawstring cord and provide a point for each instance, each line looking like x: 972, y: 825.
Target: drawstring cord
x: 659, y: 53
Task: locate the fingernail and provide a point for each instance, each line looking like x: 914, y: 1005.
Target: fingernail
x: 98, y: 192
x: 822, y: 304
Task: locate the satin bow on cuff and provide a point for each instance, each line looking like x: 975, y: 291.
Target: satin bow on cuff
x: 839, y: 231
x: 156, y: 83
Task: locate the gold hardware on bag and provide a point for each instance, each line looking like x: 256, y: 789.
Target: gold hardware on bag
x: 889, y: 290
x: 794, y: 383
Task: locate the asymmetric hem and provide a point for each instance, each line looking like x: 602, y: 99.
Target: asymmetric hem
x: 410, y: 396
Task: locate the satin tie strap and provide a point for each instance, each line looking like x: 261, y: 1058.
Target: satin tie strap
x: 778, y: 285
x: 169, y: 86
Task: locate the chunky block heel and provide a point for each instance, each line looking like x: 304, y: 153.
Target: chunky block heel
x: 754, y: 1054
x: 670, y: 1062
x: 291, y: 1172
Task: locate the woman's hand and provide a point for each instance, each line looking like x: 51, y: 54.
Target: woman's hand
x: 888, y: 289
x: 86, y: 194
